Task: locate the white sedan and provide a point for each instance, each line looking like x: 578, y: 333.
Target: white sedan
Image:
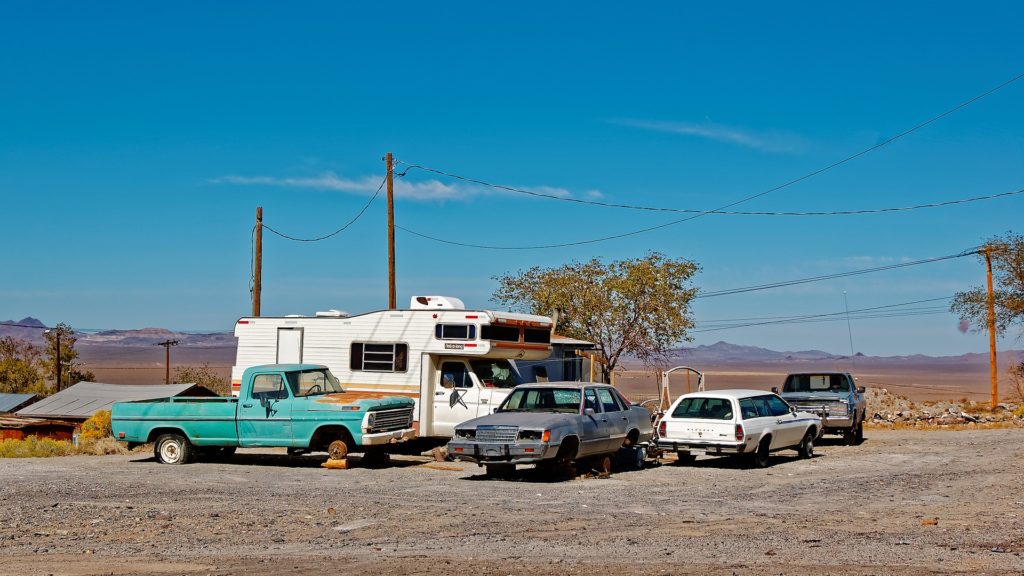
x: 747, y: 423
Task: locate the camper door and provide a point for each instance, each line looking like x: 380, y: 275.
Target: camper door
x: 457, y: 397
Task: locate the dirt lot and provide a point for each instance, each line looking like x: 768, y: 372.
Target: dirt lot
x: 905, y: 502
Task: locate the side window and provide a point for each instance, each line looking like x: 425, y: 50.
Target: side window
x: 455, y: 375
x: 778, y: 406
x: 747, y: 408
x: 374, y: 357
x: 268, y: 386
x: 626, y: 404
x: 607, y: 401
x: 590, y: 400
x: 763, y: 407
x: 455, y: 331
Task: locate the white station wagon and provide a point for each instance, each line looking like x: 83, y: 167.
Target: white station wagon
x: 748, y: 423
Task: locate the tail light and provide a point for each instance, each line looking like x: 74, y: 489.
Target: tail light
x: 661, y: 429
x: 739, y: 433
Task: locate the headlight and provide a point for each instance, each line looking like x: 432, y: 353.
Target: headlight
x: 466, y: 433
x: 371, y: 419
x: 530, y: 434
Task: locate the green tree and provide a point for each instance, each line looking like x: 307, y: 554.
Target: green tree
x: 638, y: 307
x: 1007, y: 283
x: 204, y: 376
x: 70, y: 374
x: 21, y: 367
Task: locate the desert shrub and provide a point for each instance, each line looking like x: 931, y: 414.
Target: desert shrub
x: 96, y: 427
x: 33, y: 447
x: 100, y: 447
x: 204, y: 376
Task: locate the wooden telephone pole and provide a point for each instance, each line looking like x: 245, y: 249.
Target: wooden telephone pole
x: 993, y: 369
x: 257, y: 266
x: 392, y: 296
x: 167, y: 365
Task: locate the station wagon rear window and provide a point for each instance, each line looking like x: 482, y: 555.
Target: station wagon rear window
x: 704, y: 409
x: 377, y: 357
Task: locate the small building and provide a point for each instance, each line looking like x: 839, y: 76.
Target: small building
x: 564, y: 364
x: 19, y: 428
x: 14, y: 402
x: 84, y: 399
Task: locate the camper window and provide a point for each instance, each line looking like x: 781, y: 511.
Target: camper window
x: 535, y: 336
x: 376, y: 357
x: 503, y: 333
x: 455, y: 331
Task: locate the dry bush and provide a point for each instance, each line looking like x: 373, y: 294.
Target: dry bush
x: 100, y: 447
x: 33, y: 447
x: 96, y: 427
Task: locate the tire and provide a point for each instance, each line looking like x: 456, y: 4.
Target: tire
x: 850, y: 435
x: 858, y: 436
x: 685, y: 458
x: 173, y: 449
x: 500, y: 470
x: 759, y: 458
x: 806, y: 446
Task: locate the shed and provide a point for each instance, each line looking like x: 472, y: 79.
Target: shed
x: 84, y: 399
x: 12, y: 402
x: 19, y: 428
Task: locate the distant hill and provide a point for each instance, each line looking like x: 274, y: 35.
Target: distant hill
x: 31, y: 329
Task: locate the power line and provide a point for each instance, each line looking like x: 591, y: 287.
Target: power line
x: 838, y: 315
x: 731, y: 204
x: 728, y: 212
x: 339, y: 230
x: 757, y: 287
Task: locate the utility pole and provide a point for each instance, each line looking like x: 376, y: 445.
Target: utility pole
x: 392, y: 297
x: 257, y: 272
x: 167, y: 351
x: 993, y: 369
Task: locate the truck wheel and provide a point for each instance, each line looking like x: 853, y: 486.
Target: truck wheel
x: 173, y: 449
x: 858, y: 435
x: 850, y: 435
x: 806, y: 447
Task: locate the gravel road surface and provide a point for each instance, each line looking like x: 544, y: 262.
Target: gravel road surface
x: 907, y: 502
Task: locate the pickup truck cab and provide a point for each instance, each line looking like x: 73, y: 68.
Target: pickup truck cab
x: 834, y: 396
x: 298, y: 406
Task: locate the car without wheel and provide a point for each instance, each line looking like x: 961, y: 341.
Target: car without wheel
x: 556, y: 424
x: 747, y: 423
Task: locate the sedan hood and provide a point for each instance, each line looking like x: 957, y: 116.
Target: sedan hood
x: 533, y: 420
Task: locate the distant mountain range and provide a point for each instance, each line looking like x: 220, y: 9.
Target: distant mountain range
x: 31, y: 329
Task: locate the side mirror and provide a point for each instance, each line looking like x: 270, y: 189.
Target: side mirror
x: 588, y: 411
x: 775, y: 389
x: 861, y: 389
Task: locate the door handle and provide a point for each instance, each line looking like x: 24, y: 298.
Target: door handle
x: 483, y: 401
x: 246, y: 405
x: 438, y: 393
x: 779, y: 421
x: 625, y: 418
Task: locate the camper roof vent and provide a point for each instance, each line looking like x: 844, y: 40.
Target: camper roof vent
x: 332, y: 313
x: 436, y: 302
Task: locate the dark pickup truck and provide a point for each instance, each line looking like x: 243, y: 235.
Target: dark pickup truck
x: 834, y: 396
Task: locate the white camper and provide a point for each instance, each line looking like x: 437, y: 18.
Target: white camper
x: 454, y: 362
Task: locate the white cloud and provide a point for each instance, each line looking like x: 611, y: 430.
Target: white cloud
x: 414, y: 190
x: 772, y: 141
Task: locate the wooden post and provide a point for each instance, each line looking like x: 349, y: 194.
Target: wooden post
x: 392, y: 296
x: 993, y: 368
x: 257, y: 280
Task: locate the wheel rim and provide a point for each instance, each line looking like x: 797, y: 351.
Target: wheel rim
x: 809, y: 446
x: 170, y: 452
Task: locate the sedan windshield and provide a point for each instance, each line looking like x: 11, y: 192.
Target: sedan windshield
x: 562, y: 400
x: 311, y: 382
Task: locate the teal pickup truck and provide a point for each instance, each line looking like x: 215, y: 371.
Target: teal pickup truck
x: 298, y: 406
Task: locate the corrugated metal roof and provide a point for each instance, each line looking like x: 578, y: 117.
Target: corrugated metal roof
x: 17, y: 423
x: 83, y: 399
x: 8, y: 402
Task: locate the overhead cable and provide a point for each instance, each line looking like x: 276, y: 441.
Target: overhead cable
x: 339, y: 230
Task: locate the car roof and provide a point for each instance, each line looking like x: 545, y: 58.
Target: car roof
x: 287, y: 367
x: 732, y: 393
x: 564, y: 384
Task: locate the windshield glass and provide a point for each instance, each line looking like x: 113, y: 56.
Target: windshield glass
x: 704, y: 408
x: 816, y: 383
x: 561, y: 400
x: 311, y: 382
x: 494, y: 373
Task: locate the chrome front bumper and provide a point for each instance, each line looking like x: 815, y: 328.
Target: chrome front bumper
x: 501, y: 453
x: 378, y: 438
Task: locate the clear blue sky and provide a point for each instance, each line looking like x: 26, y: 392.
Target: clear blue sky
x: 137, y: 139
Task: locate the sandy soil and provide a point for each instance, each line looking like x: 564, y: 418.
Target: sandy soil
x: 905, y: 502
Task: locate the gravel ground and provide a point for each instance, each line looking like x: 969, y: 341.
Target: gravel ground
x: 908, y: 502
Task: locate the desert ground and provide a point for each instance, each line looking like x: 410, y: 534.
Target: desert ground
x: 904, y: 502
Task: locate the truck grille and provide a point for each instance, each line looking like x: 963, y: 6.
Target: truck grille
x: 387, y: 420
x: 834, y: 408
x: 499, y: 434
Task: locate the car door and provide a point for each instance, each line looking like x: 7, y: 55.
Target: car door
x: 617, y: 419
x: 456, y: 397
x: 789, y: 428
x: 594, y: 429
x: 264, y: 418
